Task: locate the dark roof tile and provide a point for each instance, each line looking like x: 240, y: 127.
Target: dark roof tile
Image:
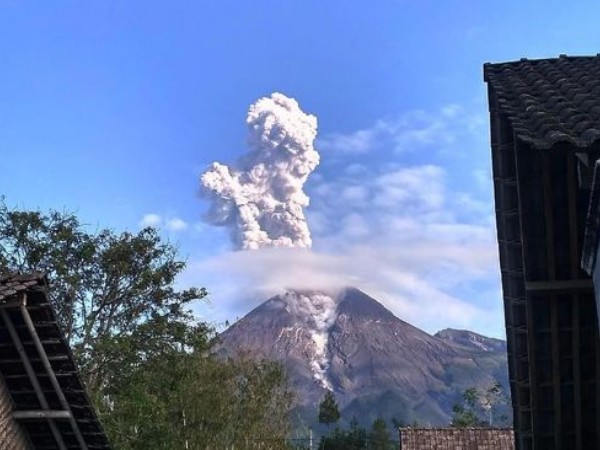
x: 456, y: 438
x: 549, y: 101
x: 35, y: 285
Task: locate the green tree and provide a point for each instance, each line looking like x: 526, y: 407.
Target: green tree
x: 107, y: 288
x: 196, y: 400
x: 354, y: 438
x: 328, y: 410
x: 479, y: 407
x: 491, y: 399
x: 148, y: 365
x: 379, y: 437
x: 464, y: 413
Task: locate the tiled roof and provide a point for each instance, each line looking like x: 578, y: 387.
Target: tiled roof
x: 11, y: 285
x: 38, y: 369
x: 457, y: 438
x: 549, y: 101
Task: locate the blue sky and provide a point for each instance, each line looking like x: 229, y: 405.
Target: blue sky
x: 112, y: 109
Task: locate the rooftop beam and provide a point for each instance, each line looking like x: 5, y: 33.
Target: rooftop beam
x: 42, y: 414
x: 560, y: 285
x: 53, y: 380
x: 32, y: 377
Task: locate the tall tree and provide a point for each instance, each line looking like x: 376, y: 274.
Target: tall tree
x: 107, y: 288
x: 480, y: 406
x: 379, y: 437
x: 198, y: 401
x: 328, y: 410
x: 354, y: 438
x: 148, y: 364
x: 464, y: 414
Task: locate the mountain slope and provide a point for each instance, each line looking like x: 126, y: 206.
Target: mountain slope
x: 472, y: 340
x: 375, y: 363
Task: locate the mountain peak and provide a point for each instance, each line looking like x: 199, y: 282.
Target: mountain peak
x: 354, y: 302
x: 377, y: 364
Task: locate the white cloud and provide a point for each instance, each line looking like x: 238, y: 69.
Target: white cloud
x: 360, y: 141
x: 407, y: 247
x: 150, y: 220
x: 417, y: 236
x: 170, y: 223
x: 176, y: 224
x: 410, y: 131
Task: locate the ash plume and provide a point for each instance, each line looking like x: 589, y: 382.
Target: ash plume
x: 260, y: 198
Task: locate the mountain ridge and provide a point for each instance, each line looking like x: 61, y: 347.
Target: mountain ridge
x: 374, y: 362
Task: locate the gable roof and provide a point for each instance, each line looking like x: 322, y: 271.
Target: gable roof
x: 456, y: 438
x: 36, y: 364
x: 549, y: 101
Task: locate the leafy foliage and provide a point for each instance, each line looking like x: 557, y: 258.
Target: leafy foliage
x: 380, y: 436
x: 357, y: 438
x: 147, y: 364
x: 353, y: 439
x: 328, y: 409
x: 108, y: 289
x: 195, y: 400
x: 479, y: 407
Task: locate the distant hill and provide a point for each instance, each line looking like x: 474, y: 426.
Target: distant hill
x: 375, y: 363
x: 472, y: 340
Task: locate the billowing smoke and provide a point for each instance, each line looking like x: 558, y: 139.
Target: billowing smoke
x: 261, y: 198
x: 318, y: 311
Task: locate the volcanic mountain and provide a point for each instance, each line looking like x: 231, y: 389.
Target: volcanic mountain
x: 375, y: 363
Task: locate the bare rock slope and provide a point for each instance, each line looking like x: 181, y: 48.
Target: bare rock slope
x: 376, y: 363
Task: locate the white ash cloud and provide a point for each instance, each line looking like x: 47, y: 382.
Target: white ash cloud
x: 402, y: 235
x: 261, y: 197
x: 318, y: 311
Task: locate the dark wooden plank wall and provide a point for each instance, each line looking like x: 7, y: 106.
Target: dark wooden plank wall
x: 562, y: 341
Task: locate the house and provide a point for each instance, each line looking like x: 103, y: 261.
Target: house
x: 545, y: 139
x: 43, y: 404
x: 456, y: 439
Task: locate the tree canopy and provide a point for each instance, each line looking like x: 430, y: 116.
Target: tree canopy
x: 106, y: 287
x: 147, y: 364
x: 328, y: 409
x: 479, y: 407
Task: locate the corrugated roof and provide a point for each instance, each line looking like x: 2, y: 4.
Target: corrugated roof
x: 549, y: 101
x: 457, y: 438
x: 40, y: 374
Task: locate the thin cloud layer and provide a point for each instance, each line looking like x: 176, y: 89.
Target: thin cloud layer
x: 173, y: 224
x: 415, y: 236
x: 395, y: 235
x: 408, y: 132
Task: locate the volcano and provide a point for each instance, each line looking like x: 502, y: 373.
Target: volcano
x: 376, y: 364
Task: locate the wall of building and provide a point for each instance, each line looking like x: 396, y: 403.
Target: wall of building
x: 12, y: 436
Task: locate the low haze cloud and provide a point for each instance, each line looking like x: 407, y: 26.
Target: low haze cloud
x: 407, y: 234
x: 402, y: 236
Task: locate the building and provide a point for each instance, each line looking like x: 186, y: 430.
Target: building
x: 545, y: 138
x: 43, y: 404
x: 456, y: 438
